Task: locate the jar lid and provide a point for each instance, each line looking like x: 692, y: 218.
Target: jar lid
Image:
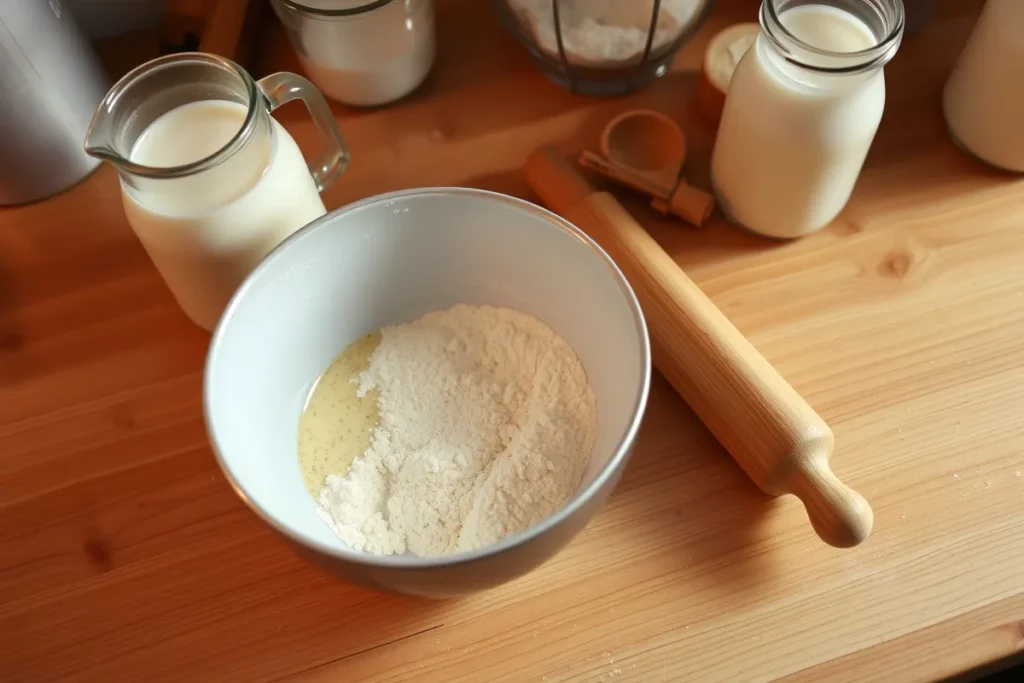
x: 722, y: 55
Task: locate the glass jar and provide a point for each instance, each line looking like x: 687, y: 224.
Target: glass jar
x: 983, y: 101
x: 210, y: 181
x: 801, y: 112
x: 603, y: 47
x: 361, y: 53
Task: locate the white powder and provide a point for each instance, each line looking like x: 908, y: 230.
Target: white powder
x: 605, y: 32
x: 368, y: 59
x: 486, y: 427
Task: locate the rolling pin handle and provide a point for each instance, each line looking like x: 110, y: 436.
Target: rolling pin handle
x: 840, y: 516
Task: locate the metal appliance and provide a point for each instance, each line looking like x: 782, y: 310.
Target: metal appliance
x: 50, y: 85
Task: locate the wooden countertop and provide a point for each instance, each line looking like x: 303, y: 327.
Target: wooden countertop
x: 124, y: 555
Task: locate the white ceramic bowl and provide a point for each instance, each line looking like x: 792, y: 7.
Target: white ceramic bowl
x: 390, y: 259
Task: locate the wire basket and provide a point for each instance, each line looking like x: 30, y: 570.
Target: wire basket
x: 603, y: 47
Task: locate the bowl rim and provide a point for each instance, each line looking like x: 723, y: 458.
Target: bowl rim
x: 618, y: 459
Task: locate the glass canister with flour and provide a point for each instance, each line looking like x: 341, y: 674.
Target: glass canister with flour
x: 603, y: 47
x: 801, y: 113
x: 361, y: 52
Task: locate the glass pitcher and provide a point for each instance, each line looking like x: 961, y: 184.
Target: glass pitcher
x: 210, y: 181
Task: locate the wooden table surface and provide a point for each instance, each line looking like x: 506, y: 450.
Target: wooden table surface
x: 124, y: 555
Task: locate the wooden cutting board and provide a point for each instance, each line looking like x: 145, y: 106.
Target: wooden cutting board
x: 124, y: 555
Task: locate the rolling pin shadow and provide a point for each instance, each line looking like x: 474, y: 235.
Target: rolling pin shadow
x: 782, y: 444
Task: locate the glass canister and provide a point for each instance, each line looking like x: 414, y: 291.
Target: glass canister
x: 210, y: 181
x: 362, y: 53
x: 603, y: 47
x: 984, y: 97
x: 801, y: 112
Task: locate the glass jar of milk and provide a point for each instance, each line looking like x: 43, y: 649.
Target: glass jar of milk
x: 984, y: 97
x: 361, y: 52
x: 801, y: 111
x: 210, y: 181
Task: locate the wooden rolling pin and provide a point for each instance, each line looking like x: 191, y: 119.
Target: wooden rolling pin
x: 767, y: 427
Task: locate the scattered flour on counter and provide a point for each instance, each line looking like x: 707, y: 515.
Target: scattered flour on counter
x: 486, y: 427
x: 605, y: 32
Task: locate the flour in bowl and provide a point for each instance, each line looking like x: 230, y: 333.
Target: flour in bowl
x: 486, y: 424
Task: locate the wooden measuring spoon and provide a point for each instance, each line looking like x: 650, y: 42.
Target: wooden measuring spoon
x: 648, y: 143
x: 769, y: 429
x: 645, y: 150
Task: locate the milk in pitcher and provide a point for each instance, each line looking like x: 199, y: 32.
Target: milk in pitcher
x: 210, y: 181
x: 208, y: 231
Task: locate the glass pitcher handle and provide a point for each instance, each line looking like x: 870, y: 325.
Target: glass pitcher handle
x: 282, y: 88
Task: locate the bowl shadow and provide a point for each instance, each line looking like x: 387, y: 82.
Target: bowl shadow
x: 347, y: 620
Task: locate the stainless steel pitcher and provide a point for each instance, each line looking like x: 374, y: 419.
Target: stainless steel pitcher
x: 52, y: 83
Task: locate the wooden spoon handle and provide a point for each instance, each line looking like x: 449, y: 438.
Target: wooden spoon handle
x: 625, y: 176
x: 767, y: 427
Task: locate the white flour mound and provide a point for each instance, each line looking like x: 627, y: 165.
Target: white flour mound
x: 605, y: 32
x: 486, y: 427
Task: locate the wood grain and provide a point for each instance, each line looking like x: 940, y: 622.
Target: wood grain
x: 125, y: 556
x: 767, y: 427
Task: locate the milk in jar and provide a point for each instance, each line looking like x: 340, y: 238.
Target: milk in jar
x: 983, y: 100
x: 801, y: 112
x: 210, y: 181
